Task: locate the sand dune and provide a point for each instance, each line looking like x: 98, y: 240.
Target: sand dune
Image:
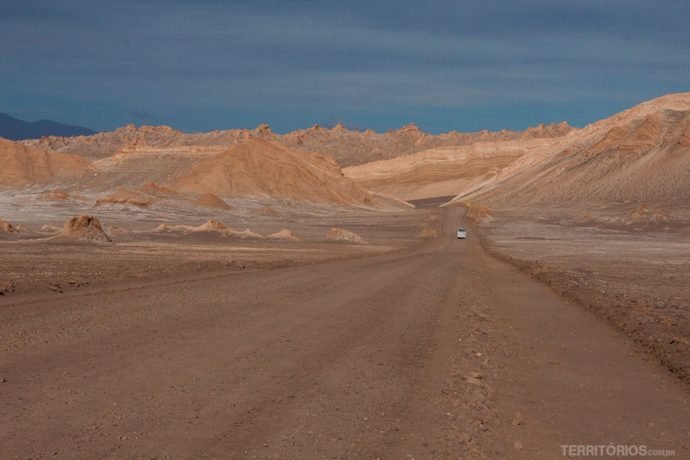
x: 262, y: 168
x: 641, y: 154
x: 205, y: 175
x: 24, y: 166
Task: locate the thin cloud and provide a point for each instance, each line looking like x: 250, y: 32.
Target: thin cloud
x: 204, y: 62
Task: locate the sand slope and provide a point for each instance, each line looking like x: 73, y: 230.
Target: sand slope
x: 641, y: 154
x: 210, y: 200
x: 444, y: 170
x: 262, y: 168
x: 24, y: 166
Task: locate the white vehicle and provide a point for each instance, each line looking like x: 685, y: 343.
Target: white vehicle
x: 462, y: 233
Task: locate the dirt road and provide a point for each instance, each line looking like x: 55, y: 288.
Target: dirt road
x: 440, y: 352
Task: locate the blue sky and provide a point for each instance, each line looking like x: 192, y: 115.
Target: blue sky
x: 213, y: 64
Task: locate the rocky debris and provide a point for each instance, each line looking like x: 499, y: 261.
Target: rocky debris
x: 477, y: 212
x: 164, y: 228
x: 246, y: 233
x: 469, y: 386
x: 7, y: 287
x: 85, y: 228
x: 263, y: 131
x: 644, y: 214
x: 127, y: 197
x: 409, y: 128
x: 6, y: 227
x: 340, y: 234
x: 212, y: 225
x: 473, y: 378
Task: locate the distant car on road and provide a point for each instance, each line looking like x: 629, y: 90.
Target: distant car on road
x: 462, y: 233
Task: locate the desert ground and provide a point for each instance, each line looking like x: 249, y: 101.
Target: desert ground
x: 244, y: 294
x: 144, y: 246
x: 425, y: 350
x: 633, y: 273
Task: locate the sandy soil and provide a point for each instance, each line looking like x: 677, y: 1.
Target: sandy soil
x: 438, y: 351
x: 35, y: 260
x: 634, y: 273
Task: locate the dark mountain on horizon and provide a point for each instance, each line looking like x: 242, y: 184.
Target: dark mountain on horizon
x: 14, y: 129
